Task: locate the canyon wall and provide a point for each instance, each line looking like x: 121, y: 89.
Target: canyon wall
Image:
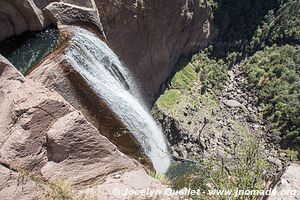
x: 150, y: 36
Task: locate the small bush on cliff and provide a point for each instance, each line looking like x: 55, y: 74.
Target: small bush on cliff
x: 60, y: 190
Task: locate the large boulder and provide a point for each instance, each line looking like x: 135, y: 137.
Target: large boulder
x: 18, y: 16
x: 150, y: 36
x: 76, y: 12
x: 42, y: 132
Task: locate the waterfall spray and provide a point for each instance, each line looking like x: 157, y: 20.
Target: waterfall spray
x: 109, y: 79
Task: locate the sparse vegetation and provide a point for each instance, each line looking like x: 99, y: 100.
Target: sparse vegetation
x: 161, y: 177
x: 169, y: 99
x: 291, y: 154
x: 61, y: 190
x: 184, y: 78
x: 245, y: 168
x: 209, y: 74
x: 55, y: 190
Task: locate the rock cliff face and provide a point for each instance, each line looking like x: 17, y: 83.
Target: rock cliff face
x: 19, y: 16
x: 150, y: 36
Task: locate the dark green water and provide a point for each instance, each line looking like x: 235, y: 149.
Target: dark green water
x: 28, y: 49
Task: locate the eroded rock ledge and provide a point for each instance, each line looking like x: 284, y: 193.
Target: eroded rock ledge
x: 34, y: 15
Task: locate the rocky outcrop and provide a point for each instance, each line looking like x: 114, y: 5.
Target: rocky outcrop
x: 34, y: 15
x: 117, y: 185
x: 19, y: 16
x: 41, y: 129
x: 150, y: 36
x: 183, y: 145
x: 42, y: 134
x: 15, y: 185
x: 75, y: 12
x: 288, y: 187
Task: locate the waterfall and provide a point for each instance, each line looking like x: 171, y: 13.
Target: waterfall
x: 109, y: 79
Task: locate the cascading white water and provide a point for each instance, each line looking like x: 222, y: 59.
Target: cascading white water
x: 105, y: 74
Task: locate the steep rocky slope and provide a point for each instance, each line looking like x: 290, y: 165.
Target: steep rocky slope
x: 231, y: 114
x: 205, y: 125
x: 219, y: 132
